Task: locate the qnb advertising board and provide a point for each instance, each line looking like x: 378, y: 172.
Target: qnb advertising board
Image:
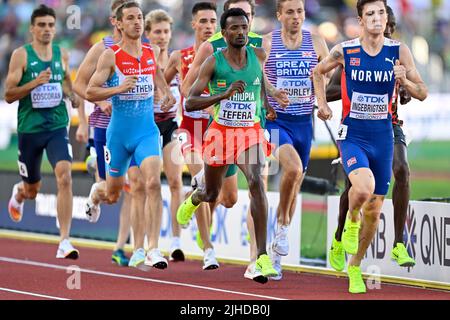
x: 426, y: 236
x: 228, y: 233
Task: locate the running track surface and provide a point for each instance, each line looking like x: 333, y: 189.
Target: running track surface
x: 29, y: 270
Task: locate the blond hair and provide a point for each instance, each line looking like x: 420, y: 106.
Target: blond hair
x: 157, y: 16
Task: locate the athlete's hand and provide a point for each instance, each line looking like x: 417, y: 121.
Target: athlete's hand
x: 82, y: 134
x: 399, y: 72
x: 237, y: 86
x: 168, y: 102
x: 282, y: 98
x: 405, y: 96
x: 105, y: 106
x: 43, y: 77
x: 128, y: 84
x: 158, y: 96
x: 325, y: 113
x: 271, y: 114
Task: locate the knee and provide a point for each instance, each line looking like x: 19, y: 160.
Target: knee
x: 137, y: 187
x: 293, y: 172
x: 229, y: 200
x: 371, y: 215
x: 361, y: 195
x: 175, y: 183
x: 64, y: 180
x: 211, y: 195
x: 401, y: 172
x: 255, y: 185
x: 153, y: 185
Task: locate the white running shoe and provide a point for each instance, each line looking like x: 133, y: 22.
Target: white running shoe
x: 137, y: 260
x: 209, y: 260
x: 92, y: 210
x: 276, y: 263
x: 176, y: 254
x: 155, y: 259
x: 281, y: 243
x: 15, y: 209
x: 198, y: 181
x: 252, y: 274
x: 67, y: 251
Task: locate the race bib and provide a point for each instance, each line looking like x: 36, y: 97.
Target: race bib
x: 299, y: 90
x: 237, y: 114
x: 142, y: 91
x: 369, y: 106
x: 48, y: 95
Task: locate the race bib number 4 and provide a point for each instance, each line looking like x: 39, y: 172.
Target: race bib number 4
x: 142, y: 91
x: 48, y: 95
x: 299, y: 90
x: 369, y: 106
x: 237, y: 114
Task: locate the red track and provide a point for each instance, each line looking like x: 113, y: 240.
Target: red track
x: 31, y: 267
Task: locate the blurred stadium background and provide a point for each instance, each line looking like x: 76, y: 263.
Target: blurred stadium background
x: 423, y: 24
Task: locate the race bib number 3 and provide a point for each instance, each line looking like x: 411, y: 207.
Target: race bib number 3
x: 48, y: 95
x: 369, y: 106
x: 299, y: 90
x: 142, y: 91
x: 237, y: 114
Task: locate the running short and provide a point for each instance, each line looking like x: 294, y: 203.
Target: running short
x: 223, y: 145
x: 167, y: 129
x: 31, y: 148
x: 373, y: 150
x: 191, y: 134
x: 293, y: 130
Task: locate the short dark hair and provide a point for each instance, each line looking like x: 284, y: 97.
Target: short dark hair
x: 199, y: 6
x: 126, y: 5
x: 361, y: 3
x: 227, y: 4
x: 42, y: 11
x: 234, y: 12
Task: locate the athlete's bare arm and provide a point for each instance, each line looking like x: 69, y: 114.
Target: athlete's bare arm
x: 17, y: 67
x: 160, y: 82
x: 67, y: 82
x: 334, y: 86
x: 333, y: 60
x: 321, y: 48
x: 173, y: 66
x: 104, y: 70
x: 262, y: 57
x: 407, y: 75
x: 204, y: 51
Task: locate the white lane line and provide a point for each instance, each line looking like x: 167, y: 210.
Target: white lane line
x: 123, y: 276
x: 32, y: 294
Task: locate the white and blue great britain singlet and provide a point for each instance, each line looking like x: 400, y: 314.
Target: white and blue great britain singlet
x: 290, y: 70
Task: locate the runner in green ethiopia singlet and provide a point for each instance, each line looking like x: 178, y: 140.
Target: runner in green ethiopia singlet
x: 242, y: 110
x: 44, y: 108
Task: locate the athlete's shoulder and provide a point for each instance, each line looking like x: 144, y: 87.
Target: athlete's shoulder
x: 391, y: 42
x: 351, y: 43
x: 215, y: 37
x: 254, y: 35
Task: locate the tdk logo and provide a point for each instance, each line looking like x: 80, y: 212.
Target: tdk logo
x: 371, y: 99
x: 238, y: 106
x: 295, y: 83
x: 142, y: 80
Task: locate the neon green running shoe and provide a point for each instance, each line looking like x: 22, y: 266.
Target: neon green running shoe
x: 185, y: 212
x: 264, y: 265
x: 400, y: 254
x: 337, y: 255
x: 350, y: 236
x: 356, y: 280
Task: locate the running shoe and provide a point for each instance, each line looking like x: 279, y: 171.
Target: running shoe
x: 281, y: 243
x: 137, y: 259
x: 185, y: 212
x: 400, y: 254
x: 356, y: 280
x: 15, y: 209
x: 118, y: 257
x: 337, y: 255
x: 155, y: 259
x: 209, y: 260
x: 176, y: 254
x: 67, y: 251
x: 252, y: 274
x: 276, y: 262
x: 350, y: 236
x: 92, y: 210
x: 264, y: 265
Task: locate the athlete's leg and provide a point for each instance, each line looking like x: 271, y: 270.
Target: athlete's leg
x: 400, y: 191
x: 214, y: 177
x: 343, y: 209
x: 137, y: 206
x: 64, y: 202
x: 124, y: 222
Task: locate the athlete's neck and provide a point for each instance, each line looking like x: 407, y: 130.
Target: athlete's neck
x: 372, y: 43
x: 292, y: 40
x: 117, y: 35
x: 132, y: 46
x: 237, y: 57
x: 198, y: 42
x: 44, y: 51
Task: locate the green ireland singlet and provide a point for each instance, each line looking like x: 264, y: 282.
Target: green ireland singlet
x: 44, y: 108
x: 242, y: 110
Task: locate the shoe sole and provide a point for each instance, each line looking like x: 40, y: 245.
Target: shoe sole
x: 261, y: 279
x: 177, y: 256
x: 160, y: 265
x: 114, y: 261
x: 405, y: 264
x: 141, y: 266
x: 211, y: 267
x: 356, y: 292
x: 72, y: 255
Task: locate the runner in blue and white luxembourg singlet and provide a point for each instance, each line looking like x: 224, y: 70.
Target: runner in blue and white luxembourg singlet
x: 290, y: 70
x: 365, y: 136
